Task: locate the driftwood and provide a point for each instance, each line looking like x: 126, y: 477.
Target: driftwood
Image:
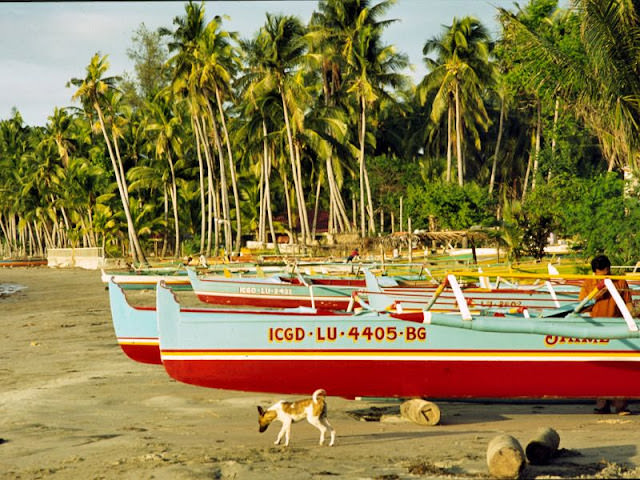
x: 420, y: 411
x: 543, y: 447
x: 505, y: 457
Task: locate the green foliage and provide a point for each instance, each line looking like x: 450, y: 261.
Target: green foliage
x: 149, y: 54
x: 449, y: 206
x: 595, y: 212
x: 585, y: 82
x: 390, y: 177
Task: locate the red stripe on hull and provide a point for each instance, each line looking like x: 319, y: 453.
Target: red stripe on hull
x: 274, y: 302
x: 143, y: 353
x: 448, y: 379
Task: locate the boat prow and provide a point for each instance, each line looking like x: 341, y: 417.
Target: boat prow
x: 135, y: 327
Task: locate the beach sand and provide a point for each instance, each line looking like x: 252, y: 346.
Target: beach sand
x: 73, y: 406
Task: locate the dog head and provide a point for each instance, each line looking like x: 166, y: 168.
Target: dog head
x: 265, y: 417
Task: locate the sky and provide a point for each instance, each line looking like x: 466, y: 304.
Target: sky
x: 45, y: 44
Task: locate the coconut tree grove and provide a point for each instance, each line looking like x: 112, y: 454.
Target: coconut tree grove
x: 215, y: 139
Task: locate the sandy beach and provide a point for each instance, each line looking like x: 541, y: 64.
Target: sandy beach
x: 73, y: 406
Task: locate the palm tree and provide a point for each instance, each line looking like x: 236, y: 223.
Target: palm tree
x: 60, y: 124
x: 165, y: 124
x: 253, y: 138
x: 607, y: 102
x: 92, y: 90
x: 217, y: 62
x: 280, y: 45
x: 460, y: 71
x: 371, y: 66
x: 502, y: 92
x: 327, y: 37
x: 184, y: 41
x: 13, y: 146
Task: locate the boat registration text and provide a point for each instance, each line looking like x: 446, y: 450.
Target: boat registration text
x: 357, y: 334
x: 266, y: 290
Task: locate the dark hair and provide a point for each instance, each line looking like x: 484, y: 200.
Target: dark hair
x: 601, y: 262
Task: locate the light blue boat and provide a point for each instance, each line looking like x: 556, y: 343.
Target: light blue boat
x: 393, y: 354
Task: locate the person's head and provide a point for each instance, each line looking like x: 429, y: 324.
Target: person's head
x: 601, y: 265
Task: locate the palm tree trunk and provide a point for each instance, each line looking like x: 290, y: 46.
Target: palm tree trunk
x: 5, y: 232
x: 554, y: 138
x: 165, y: 216
x: 264, y: 187
x: 497, y: 151
x: 47, y: 236
x: 315, y: 209
x: 203, y: 219
x: 200, y: 125
x: 287, y: 199
x: 526, y: 176
x: 29, y: 240
x: 536, y: 157
x: 365, y: 174
x: 216, y: 225
x: 336, y: 201
x: 459, y: 137
x: 174, y: 200
x: 38, y: 240
x: 87, y: 238
x: 361, y: 164
x: 92, y: 229
x: 262, y: 210
x: 224, y: 195
x: 232, y: 171
x: 302, y: 212
x: 137, y: 250
x: 306, y: 231
x: 267, y: 188
x: 449, y: 140
x: 120, y: 165
x: 372, y: 223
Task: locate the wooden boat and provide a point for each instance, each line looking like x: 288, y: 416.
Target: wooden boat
x: 391, y: 354
x: 478, y: 295
x: 334, y: 292
x: 33, y: 262
x: 276, y: 292
x: 177, y: 278
x: 148, y: 279
x: 136, y: 327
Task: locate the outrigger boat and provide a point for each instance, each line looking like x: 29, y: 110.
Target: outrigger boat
x: 136, y: 327
x: 146, y: 280
x: 276, y: 291
x: 177, y: 278
x: 488, y: 354
x: 331, y: 292
x: 29, y: 262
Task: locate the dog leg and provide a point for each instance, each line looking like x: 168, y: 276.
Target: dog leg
x: 284, y: 430
x: 319, y: 424
x: 287, y: 434
x: 332, y: 431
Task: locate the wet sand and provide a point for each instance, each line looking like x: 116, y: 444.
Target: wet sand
x: 73, y: 406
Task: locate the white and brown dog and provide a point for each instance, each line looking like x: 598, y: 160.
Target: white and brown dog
x: 314, y: 409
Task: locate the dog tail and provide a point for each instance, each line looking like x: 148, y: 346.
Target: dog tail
x: 319, y: 393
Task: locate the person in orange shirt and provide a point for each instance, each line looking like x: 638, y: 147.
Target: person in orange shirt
x: 605, y: 306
